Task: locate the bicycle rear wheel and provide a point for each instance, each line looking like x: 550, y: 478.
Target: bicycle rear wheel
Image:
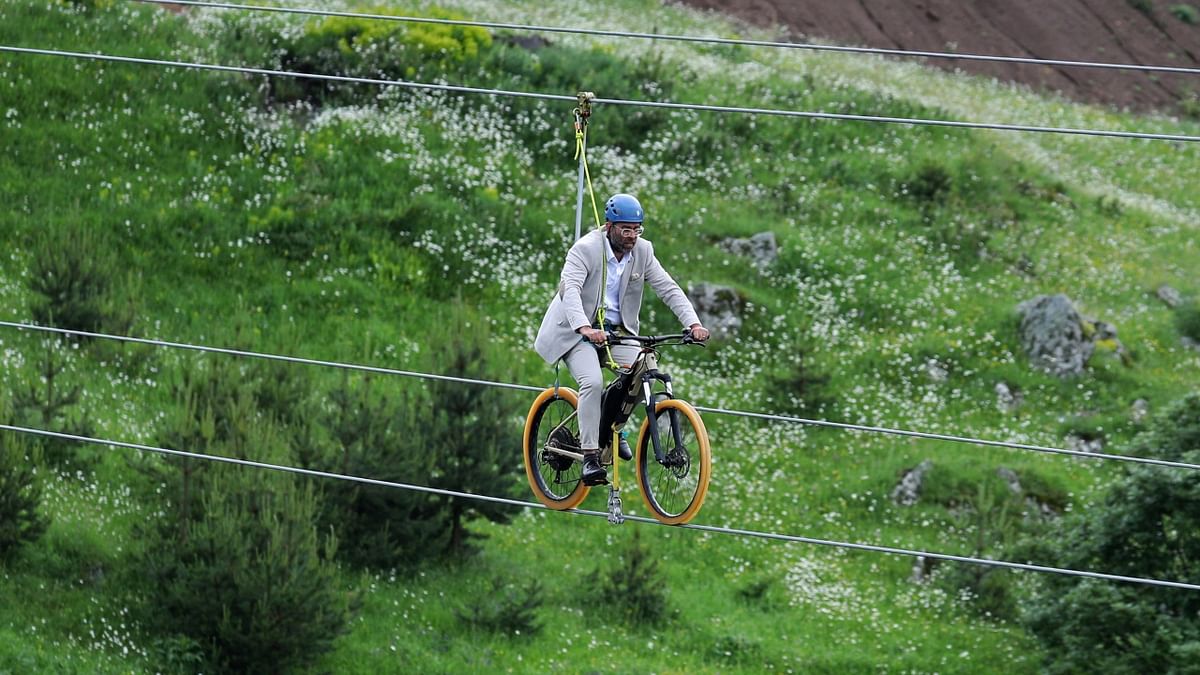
x: 552, y: 422
x: 674, y: 489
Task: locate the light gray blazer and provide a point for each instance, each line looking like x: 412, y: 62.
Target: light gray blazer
x: 579, y: 294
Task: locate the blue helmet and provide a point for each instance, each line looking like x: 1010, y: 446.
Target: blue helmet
x: 623, y: 208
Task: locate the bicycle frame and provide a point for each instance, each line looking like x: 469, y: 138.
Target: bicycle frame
x: 618, y: 399
x: 673, y: 481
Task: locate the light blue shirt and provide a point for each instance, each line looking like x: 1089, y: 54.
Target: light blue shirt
x: 612, y: 290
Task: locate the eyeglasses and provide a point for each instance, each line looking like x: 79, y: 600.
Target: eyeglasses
x: 631, y: 231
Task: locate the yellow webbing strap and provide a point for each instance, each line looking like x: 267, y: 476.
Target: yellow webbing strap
x: 616, y: 457
x: 582, y: 113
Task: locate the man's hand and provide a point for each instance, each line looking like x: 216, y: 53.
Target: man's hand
x: 699, y: 332
x: 593, y: 335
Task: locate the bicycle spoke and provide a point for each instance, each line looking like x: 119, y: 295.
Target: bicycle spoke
x: 674, y: 484
x: 558, y: 475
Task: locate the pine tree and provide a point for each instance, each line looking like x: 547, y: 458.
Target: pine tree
x: 473, y: 437
x: 375, y: 435
x: 48, y: 401
x: 247, y: 576
x: 20, y: 494
x: 75, y: 278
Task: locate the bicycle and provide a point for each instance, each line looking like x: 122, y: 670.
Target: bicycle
x: 672, y: 459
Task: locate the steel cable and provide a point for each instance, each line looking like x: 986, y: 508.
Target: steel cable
x: 640, y: 519
x: 523, y: 387
x: 612, y: 101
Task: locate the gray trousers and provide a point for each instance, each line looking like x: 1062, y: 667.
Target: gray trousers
x: 584, y: 363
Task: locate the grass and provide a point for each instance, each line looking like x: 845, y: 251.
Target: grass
x: 341, y: 231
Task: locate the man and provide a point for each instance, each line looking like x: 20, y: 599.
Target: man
x: 610, y: 265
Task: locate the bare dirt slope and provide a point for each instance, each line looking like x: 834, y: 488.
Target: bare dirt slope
x: 1125, y: 31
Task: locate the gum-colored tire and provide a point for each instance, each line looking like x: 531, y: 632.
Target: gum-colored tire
x: 674, y: 493
x: 553, y: 478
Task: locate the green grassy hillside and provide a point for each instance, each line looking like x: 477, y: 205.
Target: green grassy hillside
x: 380, y: 225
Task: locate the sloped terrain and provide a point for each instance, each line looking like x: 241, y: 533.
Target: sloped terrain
x: 381, y: 226
x: 1104, y: 31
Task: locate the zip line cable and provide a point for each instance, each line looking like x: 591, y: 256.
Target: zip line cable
x: 612, y: 101
x: 523, y: 387
x: 641, y: 519
x: 286, y: 73
x: 686, y: 38
x: 270, y: 357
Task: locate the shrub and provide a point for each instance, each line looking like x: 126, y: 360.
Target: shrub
x: 988, y: 589
x: 48, y: 402
x: 377, y: 435
x: 76, y: 280
x: 472, y: 434
x: 377, y: 49
x: 1144, y: 6
x: 567, y: 70
x: 505, y: 607
x: 1187, y: 318
x: 738, y: 649
x: 989, y: 512
x: 634, y: 589
x: 1186, y: 13
x: 930, y: 183
x: 245, y: 575
x: 797, y: 386
x: 763, y: 591
x: 20, y: 494
x: 1148, y: 525
x: 1189, y: 104
x: 452, y: 435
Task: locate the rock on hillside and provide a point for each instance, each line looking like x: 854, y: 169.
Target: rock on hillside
x: 1076, y: 30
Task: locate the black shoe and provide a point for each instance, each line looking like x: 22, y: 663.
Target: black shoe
x: 624, y: 451
x: 593, y: 473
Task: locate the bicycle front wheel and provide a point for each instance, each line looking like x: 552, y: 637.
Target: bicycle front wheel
x: 552, y: 423
x: 674, y: 488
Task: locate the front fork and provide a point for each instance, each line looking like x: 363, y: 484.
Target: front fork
x: 660, y: 453
x: 615, y: 515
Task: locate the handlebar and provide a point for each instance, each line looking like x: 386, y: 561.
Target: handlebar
x: 654, y: 340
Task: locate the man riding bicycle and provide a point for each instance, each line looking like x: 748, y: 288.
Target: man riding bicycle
x: 599, y: 291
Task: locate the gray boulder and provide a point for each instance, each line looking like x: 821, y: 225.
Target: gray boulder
x: 1035, y: 509
x: 1010, y: 477
x: 1008, y: 399
x: 1169, y: 295
x: 936, y: 372
x: 760, y: 248
x: 719, y: 308
x: 1052, y: 334
x: 1139, y: 410
x: 1079, y: 443
x: 908, y: 490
